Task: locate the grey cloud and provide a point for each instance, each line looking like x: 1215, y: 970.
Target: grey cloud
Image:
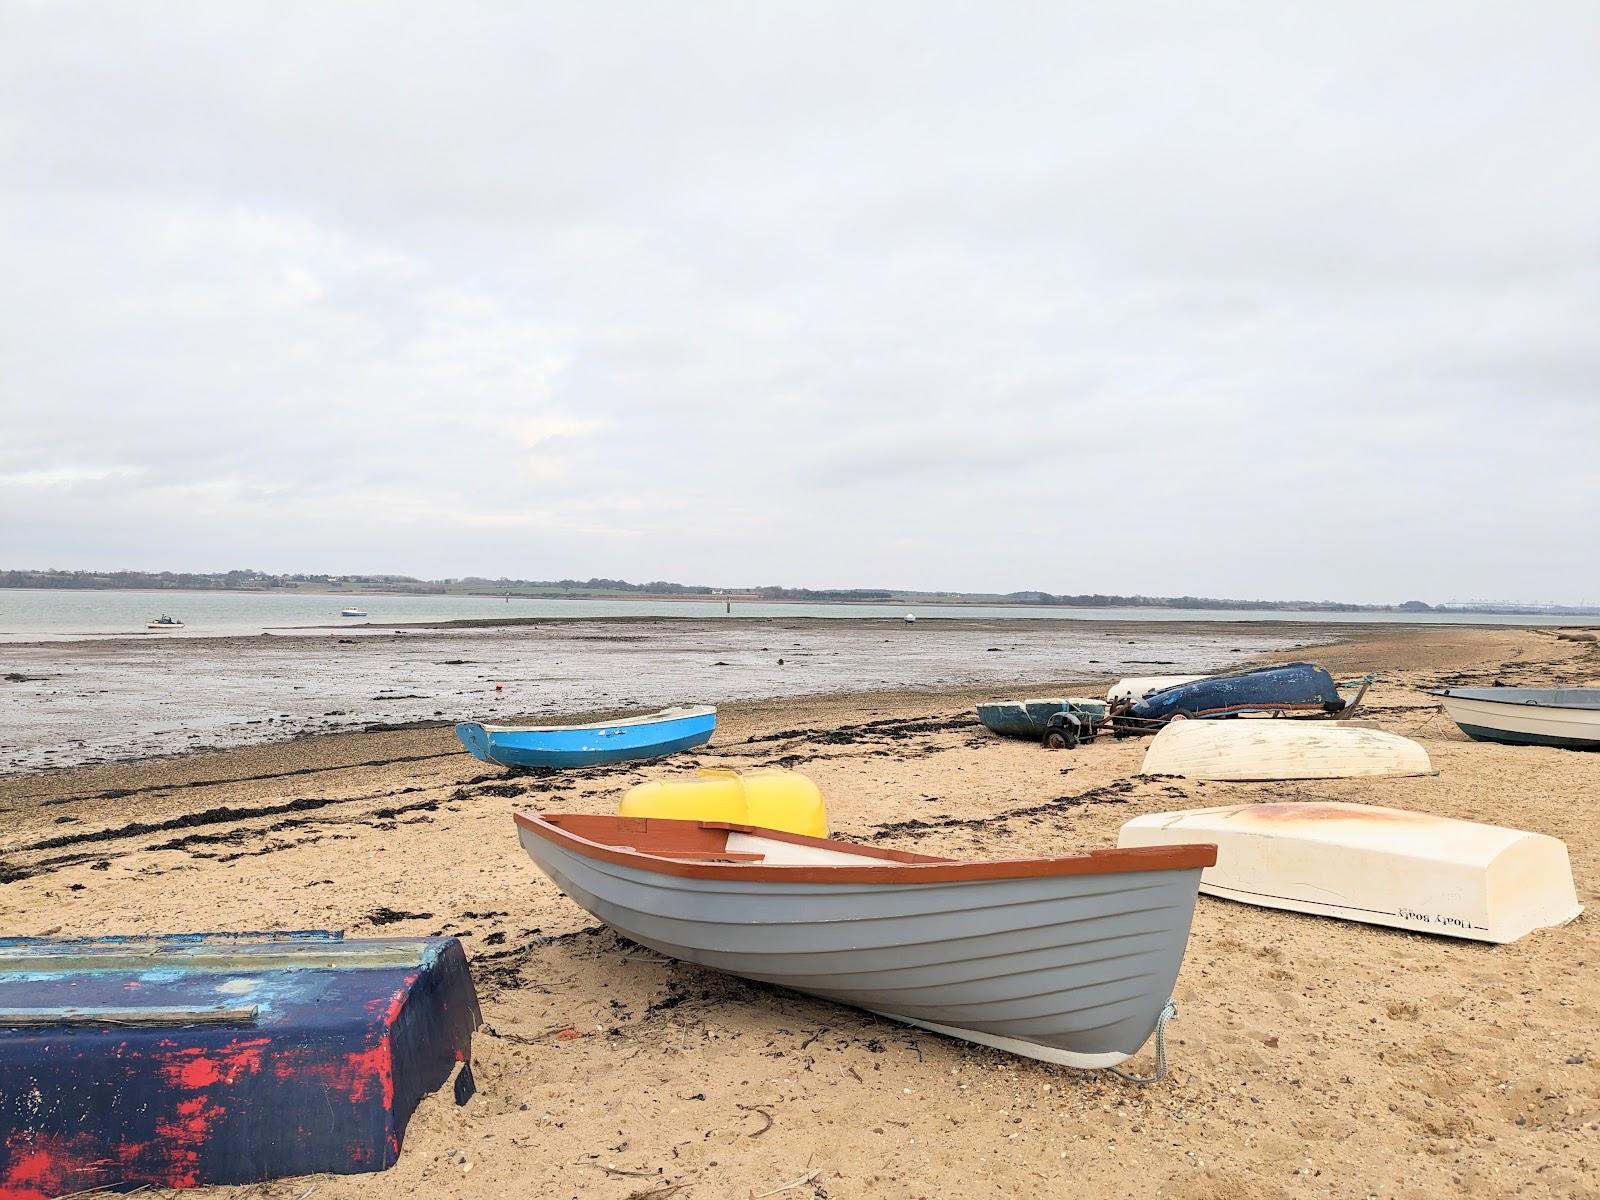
x: 1301, y: 300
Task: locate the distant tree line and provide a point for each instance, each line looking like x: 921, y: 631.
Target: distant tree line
x: 1100, y: 600
x: 144, y: 580
x: 251, y: 580
x: 838, y: 595
x: 189, y: 581
x: 657, y: 587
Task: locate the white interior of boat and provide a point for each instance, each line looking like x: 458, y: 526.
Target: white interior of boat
x: 776, y: 853
x: 675, y: 713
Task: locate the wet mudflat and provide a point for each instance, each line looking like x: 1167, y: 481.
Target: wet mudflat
x: 74, y: 703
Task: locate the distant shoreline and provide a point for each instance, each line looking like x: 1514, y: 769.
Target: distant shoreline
x: 745, y: 598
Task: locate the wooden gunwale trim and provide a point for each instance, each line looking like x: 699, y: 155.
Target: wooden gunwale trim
x: 161, y: 1016
x: 897, y: 867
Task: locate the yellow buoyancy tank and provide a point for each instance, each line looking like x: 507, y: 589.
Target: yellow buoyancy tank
x: 768, y: 796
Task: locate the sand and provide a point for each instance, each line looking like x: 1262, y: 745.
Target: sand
x: 1311, y: 1058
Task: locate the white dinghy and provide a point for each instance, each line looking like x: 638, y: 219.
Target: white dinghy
x: 1255, y: 751
x: 1382, y: 866
x: 1133, y: 690
x: 1566, y: 717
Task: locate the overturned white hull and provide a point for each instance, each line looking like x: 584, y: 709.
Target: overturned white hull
x: 1253, y: 751
x: 1382, y: 866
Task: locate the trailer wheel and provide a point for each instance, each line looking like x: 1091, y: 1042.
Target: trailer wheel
x: 1059, y: 739
x: 1182, y: 714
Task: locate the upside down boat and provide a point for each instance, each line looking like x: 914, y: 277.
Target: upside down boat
x: 1126, y: 691
x: 1292, y: 687
x: 1069, y: 960
x: 1253, y: 751
x: 1381, y: 866
x: 178, y: 1060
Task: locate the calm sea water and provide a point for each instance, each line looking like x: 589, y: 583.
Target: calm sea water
x: 34, y: 615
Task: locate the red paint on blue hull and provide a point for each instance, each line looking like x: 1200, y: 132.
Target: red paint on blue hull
x: 323, y: 1078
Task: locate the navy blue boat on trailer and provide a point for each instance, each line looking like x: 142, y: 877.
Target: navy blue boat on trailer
x: 650, y: 736
x: 1293, y: 687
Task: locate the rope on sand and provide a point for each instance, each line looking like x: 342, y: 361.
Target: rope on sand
x: 1167, y: 1013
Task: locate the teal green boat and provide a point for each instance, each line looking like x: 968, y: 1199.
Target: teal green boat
x: 1028, y: 718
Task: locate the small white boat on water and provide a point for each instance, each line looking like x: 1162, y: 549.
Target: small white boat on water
x: 1255, y: 751
x: 352, y: 612
x: 164, y: 622
x: 1382, y: 866
x: 1566, y: 717
x: 1129, y: 691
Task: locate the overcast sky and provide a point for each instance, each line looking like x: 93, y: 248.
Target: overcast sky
x: 1288, y: 301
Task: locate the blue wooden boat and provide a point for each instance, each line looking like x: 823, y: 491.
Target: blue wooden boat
x: 1292, y: 687
x: 1028, y: 718
x: 219, y: 1058
x: 649, y: 736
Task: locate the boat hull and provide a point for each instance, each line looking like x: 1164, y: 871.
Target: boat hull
x: 1127, y: 691
x: 1028, y: 718
x: 1380, y: 866
x: 1289, y: 688
x: 1256, y: 751
x: 1069, y: 969
x: 589, y: 745
x: 190, y: 1059
x: 1527, y: 716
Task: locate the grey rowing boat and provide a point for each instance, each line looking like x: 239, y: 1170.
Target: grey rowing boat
x: 1069, y: 960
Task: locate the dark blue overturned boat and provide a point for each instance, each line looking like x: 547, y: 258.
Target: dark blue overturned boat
x: 1293, y: 687
x: 650, y: 736
x: 219, y: 1058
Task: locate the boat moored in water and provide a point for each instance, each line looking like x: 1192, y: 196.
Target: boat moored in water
x: 650, y: 736
x: 352, y: 612
x: 1070, y: 960
x: 1565, y: 717
x: 164, y: 622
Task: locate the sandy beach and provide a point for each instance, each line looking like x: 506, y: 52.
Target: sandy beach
x: 1311, y: 1058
